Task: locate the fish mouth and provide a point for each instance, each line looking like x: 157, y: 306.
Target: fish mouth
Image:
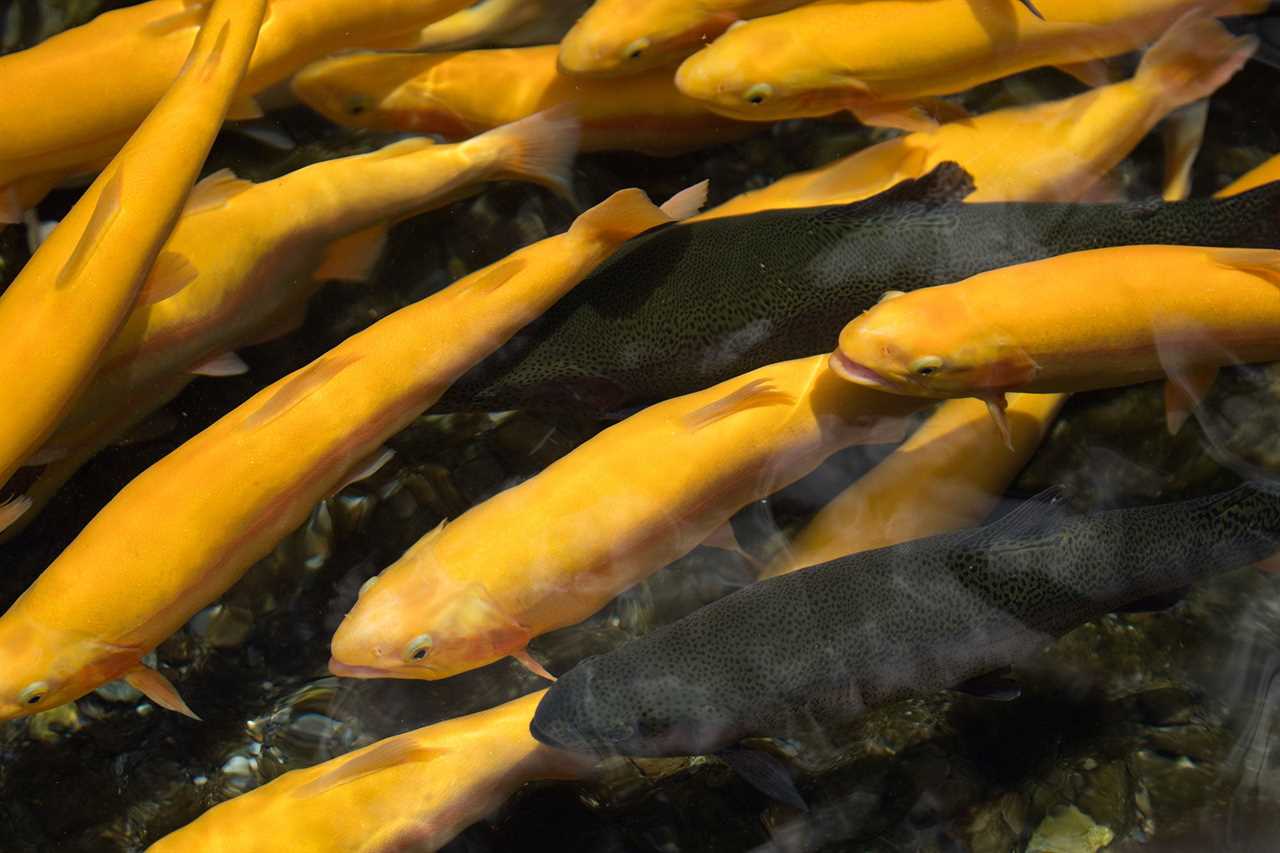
x: 850, y: 371
x: 346, y: 670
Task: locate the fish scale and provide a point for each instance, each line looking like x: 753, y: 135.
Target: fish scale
x: 683, y: 307
x: 819, y: 646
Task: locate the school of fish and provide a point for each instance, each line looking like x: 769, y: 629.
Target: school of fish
x: 943, y: 292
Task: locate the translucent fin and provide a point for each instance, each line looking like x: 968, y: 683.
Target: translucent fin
x: 911, y: 118
x: 104, y: 213
x: 1261, y: 262
x: 527, y: 661
x: 244, y: 107
x: 1193, y: 59
x: 296, y: 389
x: 12, y: 509
x: 996, y: 406
x: 997, y: 685
x: 757, y: 392
x: 765, y: 773
x: 227, y: 364
x: 189, y: 18
x: 158, y: 689
x: 621, y: 216
x: 169, y: 274
x: 539, y: 149
x: 354, y: 257
x: 687, y: 202
x: 11, y: 209
x: 44, y: 456
x: 1184, y: 392
x: 1094, y: 72
x: 1031, y: 7
x: 1182, y: 134
x: 724, y: 538
x: 213, y: 191
x: 391, y: 753
x: 367, y: 467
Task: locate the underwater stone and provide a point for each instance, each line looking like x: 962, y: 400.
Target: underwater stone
x: 1069, y: 831
x: 54, y: 724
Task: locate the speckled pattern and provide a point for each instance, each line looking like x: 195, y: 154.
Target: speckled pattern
x: 820, y: 646
x: 684, y: 307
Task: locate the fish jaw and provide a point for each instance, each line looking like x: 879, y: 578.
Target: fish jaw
x: 859, y: 374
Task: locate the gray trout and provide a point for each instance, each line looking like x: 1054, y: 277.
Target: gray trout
x: 683, y: 307
x: 817, y: 647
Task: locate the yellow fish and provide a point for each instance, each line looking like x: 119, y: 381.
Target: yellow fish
x: 83, y: 280
x: 1087, y: 320
x: 85, y: 90
x: 502, y: 23
x: 1263, y: 174
x: 556, y: 548
x: 948, y: 475
x: 414, y: 791
x: 628, y: 36
x: 244, y: 259
x: 452, y: 94
x: 1055, y: 151
x: 887, y: 60
x: 178, y: 535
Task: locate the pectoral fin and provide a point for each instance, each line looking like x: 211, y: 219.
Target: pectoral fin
x: 227, y: 364
x: 244, y: 108
x: 391, y: 753
x: 213, y: 191
x: 354, y: 257
x: 758, y: 392
x: 367, y: 467
x: 12, y: 509
x: 997, y: 404
x: 1184, y: 392
x: 1031, y: 7
x: 171, y: 272
x: 526, y: 660
x: 158, y: 689
x: 765, y: 773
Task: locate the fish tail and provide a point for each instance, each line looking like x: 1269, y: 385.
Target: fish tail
x: 1193, y: 59
x: 628, y: 213
x: 539, y: 148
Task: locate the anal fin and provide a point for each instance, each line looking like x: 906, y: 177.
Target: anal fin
x: 353, y: 257
x: 12, y: 509
x: 1094, y: 73
x: 227, y: 364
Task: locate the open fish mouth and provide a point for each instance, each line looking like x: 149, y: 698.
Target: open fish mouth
x: 346, y: 670
x: 849, y: 370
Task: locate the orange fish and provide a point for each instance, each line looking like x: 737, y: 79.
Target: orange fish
x: 452, y: 94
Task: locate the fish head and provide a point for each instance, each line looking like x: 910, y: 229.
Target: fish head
x: 42, y: 666
x: 760, y: 71
x: 416, y: 621
x: 623, y: 37
x: 352, y: 89
x: 931, y: 343
x: 618, y: 704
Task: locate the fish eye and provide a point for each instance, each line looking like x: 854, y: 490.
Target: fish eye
x: 419, y: 647
x: 33, y: 694
x: 926, y: 365
x: 637, y: 48
x: 758, y: 93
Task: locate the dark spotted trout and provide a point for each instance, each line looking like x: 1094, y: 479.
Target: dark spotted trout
x: 683, y: 307
x: 817, y: 647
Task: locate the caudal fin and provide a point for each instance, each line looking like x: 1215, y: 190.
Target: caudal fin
x: 539, y: 149
x: 1193, y: 58
x: 628, y: 213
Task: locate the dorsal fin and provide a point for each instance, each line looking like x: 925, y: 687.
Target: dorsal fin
x: 192, y: 15
x: 296, y: 389
x: 390, y: 753
x: 947, y: 183
x: 1032, y: 515
x: 169, y: 274
x: 757, y: 392
x: 213, y: 191
x: 104, y: 213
